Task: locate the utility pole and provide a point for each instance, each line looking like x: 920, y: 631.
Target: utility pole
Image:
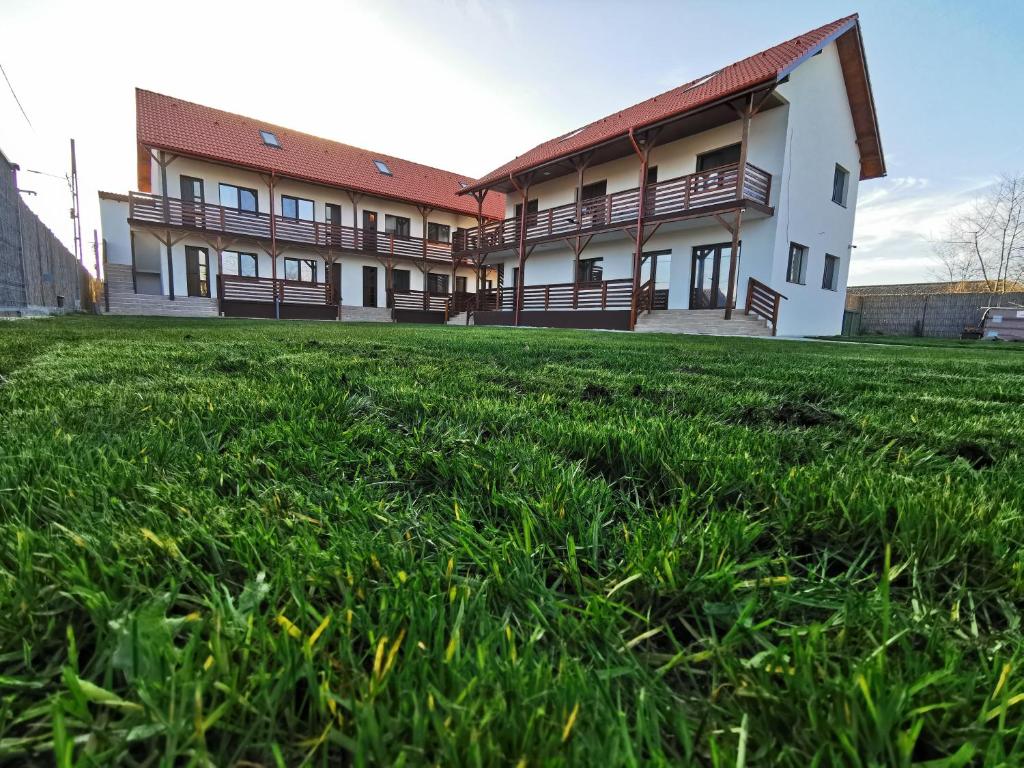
x: 75, y: 216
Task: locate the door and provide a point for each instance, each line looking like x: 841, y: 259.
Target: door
x: 369, y: 286
x: 197, y: 271
x: 335, y: 281
x: 191, y: 201
x: 370, y: 234
x: 332, y: 217
x: 709, y: 276
x: 594, y: 212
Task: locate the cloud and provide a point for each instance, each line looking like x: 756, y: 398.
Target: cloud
x: 896, y: 220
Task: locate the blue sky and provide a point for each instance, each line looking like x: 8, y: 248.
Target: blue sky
x: 468, y: 84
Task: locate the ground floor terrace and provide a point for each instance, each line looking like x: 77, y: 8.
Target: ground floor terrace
x: 249, y: 273
x: 592, y: 279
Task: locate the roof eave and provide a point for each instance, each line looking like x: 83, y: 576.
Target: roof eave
x: 623, y: 135
x: 309, y: 180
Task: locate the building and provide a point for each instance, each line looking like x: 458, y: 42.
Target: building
x: 238, y: 217
x: 736, y: 189
x: 725, y: 205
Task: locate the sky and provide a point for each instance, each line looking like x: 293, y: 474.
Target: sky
x: 468, y: 84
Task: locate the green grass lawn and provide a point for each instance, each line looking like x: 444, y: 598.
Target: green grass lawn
x: 249, y: 543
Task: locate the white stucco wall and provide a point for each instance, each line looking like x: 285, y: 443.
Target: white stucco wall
x: 820, y: 134
x: 115, y: 231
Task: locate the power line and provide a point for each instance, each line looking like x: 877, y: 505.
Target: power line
x: 16, y: 99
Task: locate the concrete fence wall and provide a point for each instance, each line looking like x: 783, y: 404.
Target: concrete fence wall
x: 37, y: 273
x: 938, y: 314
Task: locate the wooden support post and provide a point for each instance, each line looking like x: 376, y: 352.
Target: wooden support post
x: 131, y: 241
x: 730, y: 296
x: 164, y: 162
x: 644, y: 154
x: 273, y: 250
x: 523, y: 215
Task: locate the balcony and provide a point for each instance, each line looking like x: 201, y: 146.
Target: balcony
x: 707, y: 192
x: 155, y: 210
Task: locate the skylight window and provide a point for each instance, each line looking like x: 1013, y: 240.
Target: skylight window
x: 570, y: 134
x: 463, y: 184
x: 383, y: 167
x: 700, y: 81
x: 270, y: 139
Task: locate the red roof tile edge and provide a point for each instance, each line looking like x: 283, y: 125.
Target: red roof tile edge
x: 178, y: 126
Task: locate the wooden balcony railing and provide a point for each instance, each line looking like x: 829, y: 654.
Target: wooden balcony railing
x: 606, y: 294
x: 267, y: 290
x: 665, y: 199
x: 764, y: 301
x: 207, y: 217
x: 649, y: 297
x: 419, y: 300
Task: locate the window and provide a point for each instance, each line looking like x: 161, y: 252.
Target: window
x: 515, y: 276
x: 596, y: 189
x: 241, y: 264
x: 460, y: 284
x: 840, y: 185
x: 531, y: 207
x: 437, y: 285
x: 239, y: 198
x: 830, y: 280
x: 439, y: 233
x: 296, y: 208
x: 399, y: 226
x: 382, y: 167
x: 718, y: 157
x: 400, y: 280
x: 797, y: 264
x: 270, y: 139
x: 652, y: 175
x: 590, y: 271
x: 300, y: 270
x: 463, y: 184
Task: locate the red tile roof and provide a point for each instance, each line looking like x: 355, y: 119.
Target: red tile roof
x: 180, y: 126
x: 770, y: 65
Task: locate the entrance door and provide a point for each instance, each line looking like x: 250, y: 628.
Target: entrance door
x: 335, y: 281
x: 369, y: 286
x: 191, y: 201
x: 370, y: 235
x: 197, y: 271
x: 709, y: 276
x: 332, y: 216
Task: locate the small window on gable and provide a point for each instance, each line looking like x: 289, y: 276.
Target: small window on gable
x: 270, y: 139
x: 383, y: 167
x: 840, y: 185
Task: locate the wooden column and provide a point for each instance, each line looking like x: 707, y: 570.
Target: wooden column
x: 524, y: 213
x: 164, y: 162
x: 745, y: 115
x: 273, y: 247
x: 644, y: 154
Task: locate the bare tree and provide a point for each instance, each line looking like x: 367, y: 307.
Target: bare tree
x: 985, y: 243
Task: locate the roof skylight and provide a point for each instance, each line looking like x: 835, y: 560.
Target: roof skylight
x: 570, y: 134
x: 270, y: 139
x: 383, y: 167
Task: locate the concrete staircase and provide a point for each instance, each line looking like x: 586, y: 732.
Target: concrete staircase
x: 459, y: 319
x: 365, y: 314
x: 124, y: 300
x: 707, y: 322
